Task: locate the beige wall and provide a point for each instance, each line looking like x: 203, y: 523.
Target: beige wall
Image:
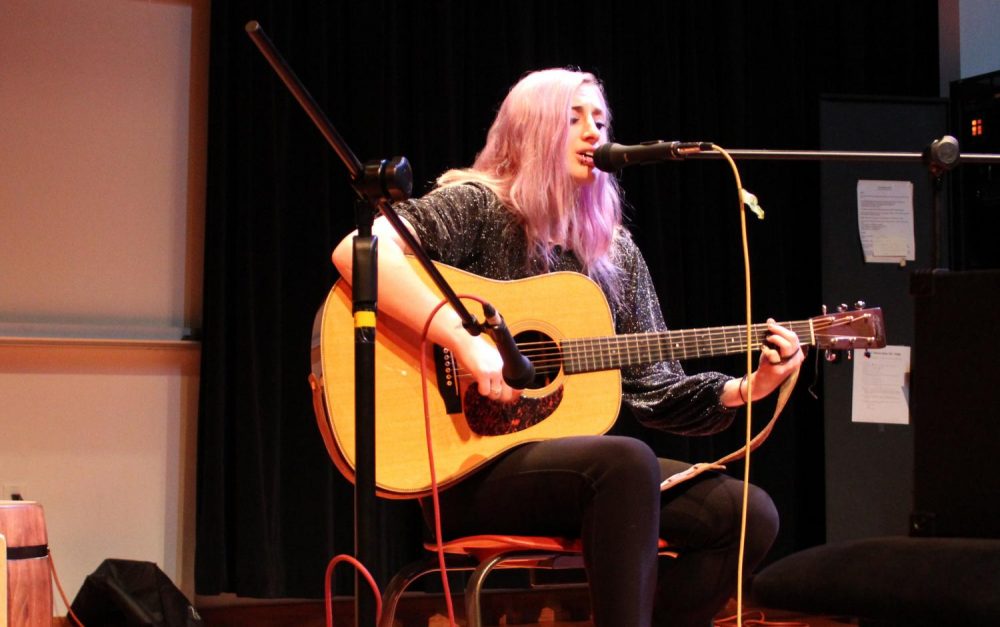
x: 103, y: 107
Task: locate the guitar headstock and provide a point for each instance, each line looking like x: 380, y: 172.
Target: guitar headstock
x: 861, y: 327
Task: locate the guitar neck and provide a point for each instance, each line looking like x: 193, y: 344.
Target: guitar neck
x: 620, y: 351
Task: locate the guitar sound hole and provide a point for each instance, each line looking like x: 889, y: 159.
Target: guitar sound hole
x: 544, y: 353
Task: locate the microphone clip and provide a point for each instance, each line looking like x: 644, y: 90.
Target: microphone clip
x: 680, y: 150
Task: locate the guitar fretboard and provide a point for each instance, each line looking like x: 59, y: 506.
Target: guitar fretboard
x: 620, y: 351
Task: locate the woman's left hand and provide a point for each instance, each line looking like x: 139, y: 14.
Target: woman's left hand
x: 780, y: 355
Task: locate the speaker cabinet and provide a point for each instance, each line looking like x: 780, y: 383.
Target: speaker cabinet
x: 955, y: 403
x: 976, y: 211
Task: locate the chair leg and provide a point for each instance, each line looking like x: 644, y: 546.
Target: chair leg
x: 473, y: 607
x: 398, y: 585
x: 474, y: 587
x: 410, y: 573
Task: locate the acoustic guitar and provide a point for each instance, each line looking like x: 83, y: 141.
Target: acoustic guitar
x: 562, y: 323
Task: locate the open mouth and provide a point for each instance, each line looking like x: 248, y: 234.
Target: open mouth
x: 586, y: 158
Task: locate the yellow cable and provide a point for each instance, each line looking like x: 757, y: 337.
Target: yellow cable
x: 749, y: 379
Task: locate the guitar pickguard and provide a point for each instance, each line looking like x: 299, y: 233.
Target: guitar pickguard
x: 487, y: 417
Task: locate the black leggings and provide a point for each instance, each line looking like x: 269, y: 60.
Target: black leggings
x: 605, y: 489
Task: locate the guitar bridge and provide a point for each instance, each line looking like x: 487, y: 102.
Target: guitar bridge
x: 446, y: 368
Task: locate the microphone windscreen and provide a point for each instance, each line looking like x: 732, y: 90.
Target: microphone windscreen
x: 606, y: 158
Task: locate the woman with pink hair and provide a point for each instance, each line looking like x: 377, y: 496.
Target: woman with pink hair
x: 533, y: 203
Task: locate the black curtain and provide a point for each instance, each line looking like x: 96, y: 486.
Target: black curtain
x: 423, y: 79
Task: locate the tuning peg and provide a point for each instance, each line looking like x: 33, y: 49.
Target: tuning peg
x: 823, y: 309
x: 831, y: 356
x: 842, y: 307
x: 868, y: 353
x: 859, y: 304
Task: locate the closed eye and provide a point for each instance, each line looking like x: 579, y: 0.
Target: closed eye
x: 599, y: 125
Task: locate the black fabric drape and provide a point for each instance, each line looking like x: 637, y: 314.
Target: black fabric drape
x: 423, y: 79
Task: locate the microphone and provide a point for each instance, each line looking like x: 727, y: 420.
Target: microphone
x: 518, y: 371
x: 612, y: 157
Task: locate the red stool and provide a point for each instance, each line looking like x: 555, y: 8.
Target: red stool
x: 481, y: 555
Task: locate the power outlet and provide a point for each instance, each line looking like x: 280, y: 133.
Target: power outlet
x: 14, y: 491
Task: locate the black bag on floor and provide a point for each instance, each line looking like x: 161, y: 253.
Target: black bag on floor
x: 126, y: 593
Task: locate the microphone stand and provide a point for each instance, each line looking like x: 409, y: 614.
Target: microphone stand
x: 376, y: 184
x: 840, y: 155
x: 939, y: 156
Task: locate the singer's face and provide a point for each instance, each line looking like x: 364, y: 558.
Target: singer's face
x: 586, y: 130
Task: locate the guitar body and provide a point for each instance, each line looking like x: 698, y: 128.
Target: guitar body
x: 559, y: 305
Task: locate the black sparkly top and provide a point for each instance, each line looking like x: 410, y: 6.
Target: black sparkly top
x: 466, y: 226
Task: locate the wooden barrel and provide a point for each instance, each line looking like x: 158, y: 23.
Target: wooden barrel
x: 29, y: 584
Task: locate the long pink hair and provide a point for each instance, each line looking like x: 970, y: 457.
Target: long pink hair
x: 524, y: 163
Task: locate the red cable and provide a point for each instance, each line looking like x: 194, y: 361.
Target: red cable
x: 435, y: 499
x: 364, y: 571
x: 55, y: 577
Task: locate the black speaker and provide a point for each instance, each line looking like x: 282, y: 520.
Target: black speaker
x: 976, y: 197
x: 955, y: 404
x: 129, y: 593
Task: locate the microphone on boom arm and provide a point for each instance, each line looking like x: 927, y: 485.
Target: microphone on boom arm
x: 612, y: 157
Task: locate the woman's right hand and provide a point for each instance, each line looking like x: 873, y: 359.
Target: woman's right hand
x: 406, y: 298
x: 482, y: 361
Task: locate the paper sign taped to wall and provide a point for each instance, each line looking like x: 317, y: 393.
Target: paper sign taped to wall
x: 882, y: 386
x: 885, y: 221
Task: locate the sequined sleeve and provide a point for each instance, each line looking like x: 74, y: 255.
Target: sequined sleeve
x: 466, y: 226
x: 662, y: 395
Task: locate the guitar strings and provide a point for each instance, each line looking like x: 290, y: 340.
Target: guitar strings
x: 549, y: 356
x: 712, y: 337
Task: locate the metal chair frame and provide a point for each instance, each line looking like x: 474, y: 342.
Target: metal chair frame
x: 480, y: 555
